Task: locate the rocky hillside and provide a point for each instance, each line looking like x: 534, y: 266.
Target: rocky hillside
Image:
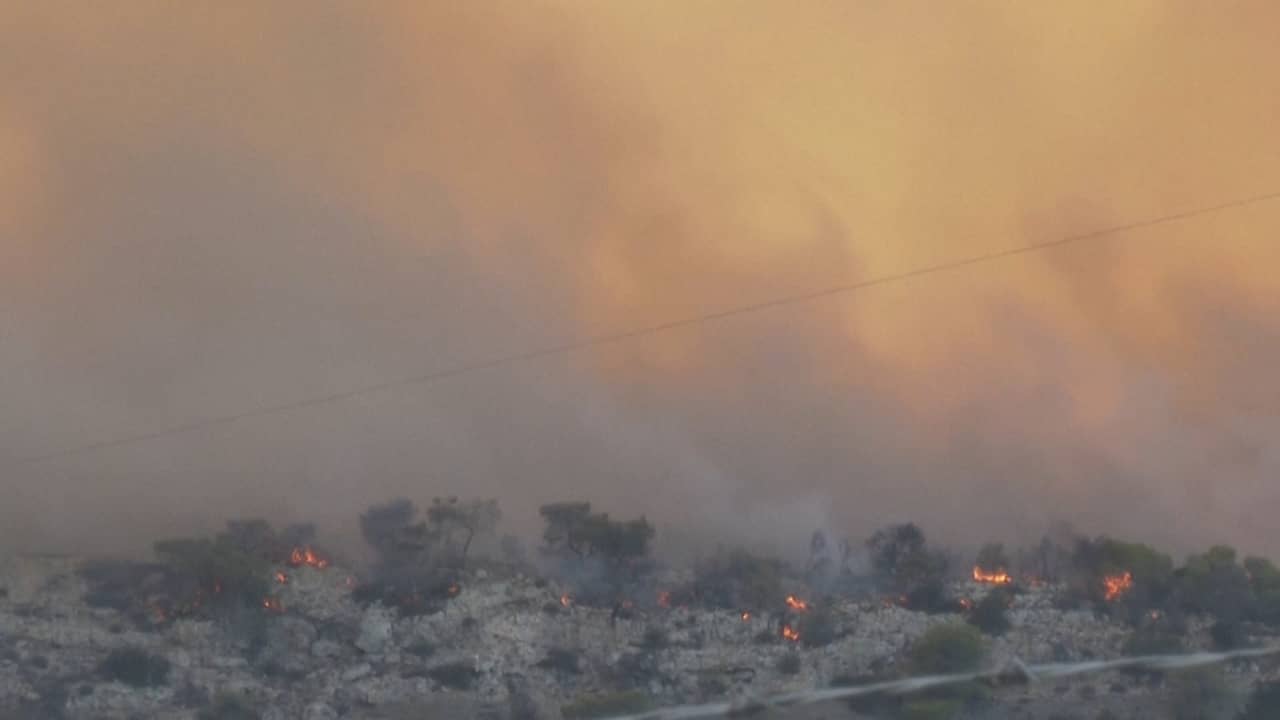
x: 502, y: 647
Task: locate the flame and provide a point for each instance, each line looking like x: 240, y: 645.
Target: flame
x: 1117, y: 585
x: 664, y: 599
x: 746, y: 616
x: 272, y: 604
x: 966, y: 603
x: 565, y: 600
x: 797, y: 604
x: 306, y: 556
x: 280, y: 578
x: 790, y: 633
x: 454, y: 590
x: 999, y: 577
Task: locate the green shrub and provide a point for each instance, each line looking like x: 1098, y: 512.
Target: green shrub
x: 905, y: 566
x: 1214, y: 583
x: 931, y: 709
x: 655, y: 638
x: 1153, y: 640
x: 560, y: 660
x: 989, y: 614
x: 602, y: 706
x: 947, y: 648
x: 135, y: 667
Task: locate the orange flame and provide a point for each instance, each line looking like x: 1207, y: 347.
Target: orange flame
x: 272, y: 604
x: 306, y: 556
x: 797, y: 604
x: 664, y: 599
x: 790, y: 633
x: 966, y: 603
x: 1117, y: 585
x: 746, y: 616
x: 565, y: 600
x: 999, y: 577
x: 282, y: 578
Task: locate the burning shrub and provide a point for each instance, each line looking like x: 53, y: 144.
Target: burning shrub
x: 905, y: 566
x: 135, y: 667
x: 214, y: 574
x: 631, y: 702
x: 989, y: 614
x: 1129, y: 578
x: 737, y: 579
x: 992, y: 559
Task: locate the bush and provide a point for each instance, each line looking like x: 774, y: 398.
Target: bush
x: 603, y: 706
x: 573, y: 528
x: 455, y: 676
x: 817, y: 628
x: 229, y: 706
x: 655, y: 638
x: 989, y: 614
x: 1228, y: 634
x: 1264, y: 702
x: 1153, y: 640
x: 738, y: 580
x: 948, y: 648
x: 789, y: 664
x: 560, y: 660
x: 1202, y: 694
x: 1151, y: 573
x: 135, y: 667
x: 1213, y: 583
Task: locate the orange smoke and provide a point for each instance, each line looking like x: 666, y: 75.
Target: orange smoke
x: 999, y: 577
x: 1117, y: 585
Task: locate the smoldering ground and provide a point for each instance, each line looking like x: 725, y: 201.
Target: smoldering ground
x: 212, y: 211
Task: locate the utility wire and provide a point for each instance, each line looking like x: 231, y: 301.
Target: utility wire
x: 624, y: 335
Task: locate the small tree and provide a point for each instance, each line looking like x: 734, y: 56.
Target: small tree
x: 905, y: 565
x: 739, y: 580
x: 945, y: 649
x: 989, y: 614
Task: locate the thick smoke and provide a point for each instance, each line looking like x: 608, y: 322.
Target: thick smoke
x: 209, y: 211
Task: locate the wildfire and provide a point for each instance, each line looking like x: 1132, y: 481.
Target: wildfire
x: 966, y: 603
x: 664, y: 599
x: 790, y: 633
x: 746, y: 616
x: 454, y: 590
x: 999, y: 577
x: 565, y: 600
x: 306, y: 556
x: 797, y: 604
x: 271, y: 604
x: 280, y: 578
x: 1117, y: 585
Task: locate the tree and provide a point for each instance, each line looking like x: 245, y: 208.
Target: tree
x: 1214, y: 583
x: 739, y: 580
x: 905, y: 565
x: 574, y: 528
x: 992, y: 558
x: 456, y: 524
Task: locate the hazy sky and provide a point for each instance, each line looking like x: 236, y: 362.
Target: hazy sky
x: 211, y: 208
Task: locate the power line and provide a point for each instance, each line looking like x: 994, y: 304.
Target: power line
x: 624, y: 335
